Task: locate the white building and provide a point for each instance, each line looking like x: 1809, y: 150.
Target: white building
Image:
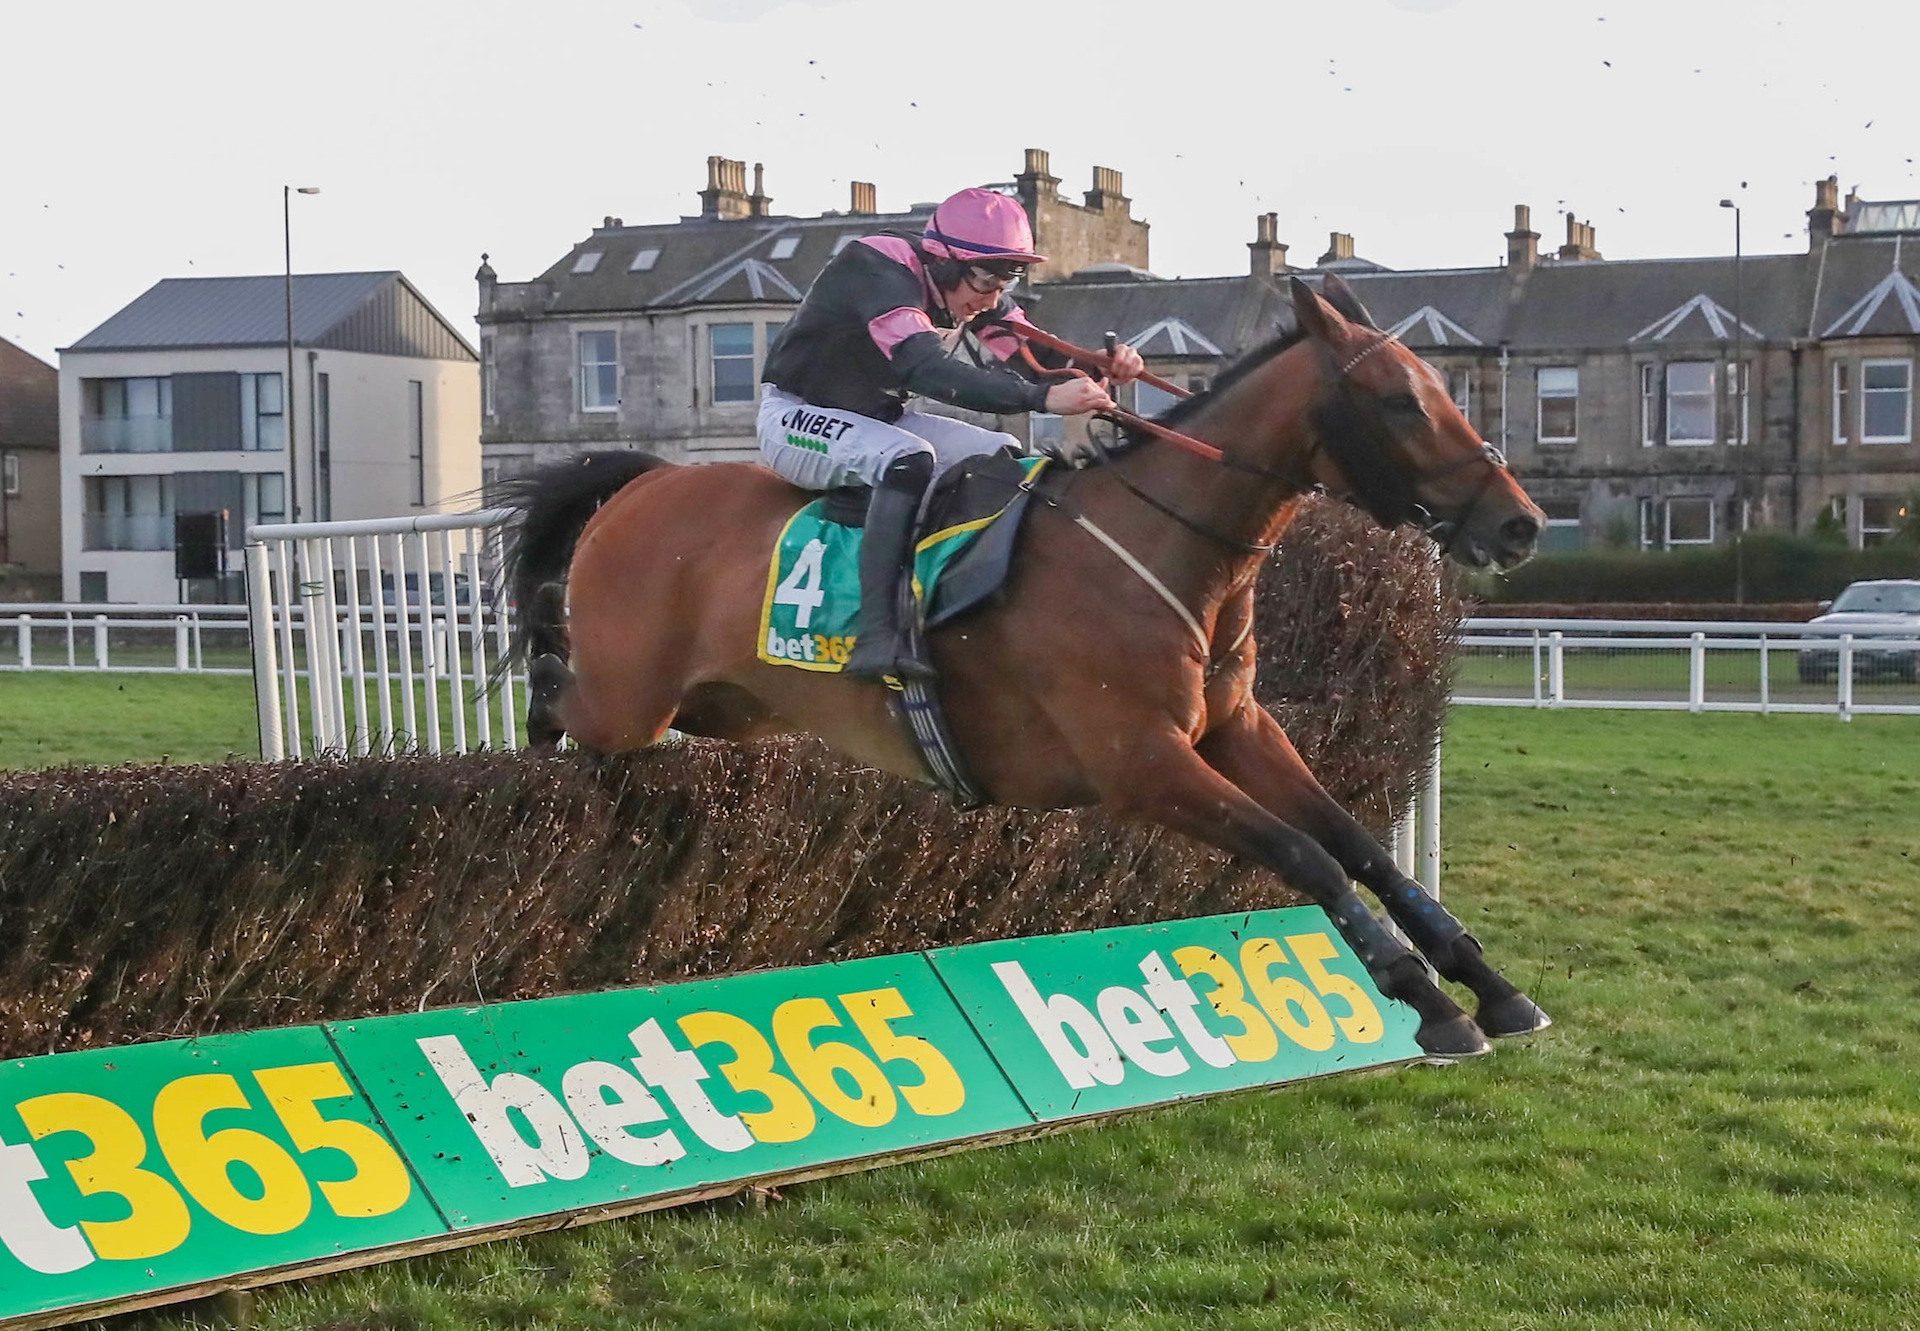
x: 174, y: 423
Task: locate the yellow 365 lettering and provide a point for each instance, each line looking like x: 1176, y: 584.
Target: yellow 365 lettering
x: 789, y: 1114
x: 379, y: 1184
x: 203, y: 1161
x: 1256, y: 1041
x: 157, y: 1220
x: 940, y: 1090
x: 1362, y: 1024
x: 872, y: 1101
x: 1295, y: 1009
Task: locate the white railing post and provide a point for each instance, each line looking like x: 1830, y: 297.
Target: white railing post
x: 182, y: 658
x: 266, y: 662
x: 1696, y: 672
x: 25, y: 631
x: 1538, y: 700
x: 1766, y: 678
x: 1428, y: 826
x: 1846, y: 677
x: 1556, y: 668
x: 99, y: 642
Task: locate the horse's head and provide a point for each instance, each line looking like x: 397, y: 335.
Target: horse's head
x: 1391, y: 441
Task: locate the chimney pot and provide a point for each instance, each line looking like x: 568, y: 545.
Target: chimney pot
x: 1339, y: 246
x: 725, y: 197
x: 1523, y: 242
x: 1037, y: 162
x: 1267, y: 257
x: 864, y: 198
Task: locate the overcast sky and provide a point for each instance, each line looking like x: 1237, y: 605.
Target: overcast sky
x: 150, y: 140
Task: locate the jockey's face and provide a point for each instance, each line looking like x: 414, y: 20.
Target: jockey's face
x: 966, y: 300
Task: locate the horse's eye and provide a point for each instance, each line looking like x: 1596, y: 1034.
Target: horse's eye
x: 1403, y: 404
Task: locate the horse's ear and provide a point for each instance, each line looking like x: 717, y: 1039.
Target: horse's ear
x: 1339, y: 295
x: 1316, y: 318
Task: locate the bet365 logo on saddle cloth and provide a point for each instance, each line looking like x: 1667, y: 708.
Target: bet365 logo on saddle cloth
x: 813, y: 584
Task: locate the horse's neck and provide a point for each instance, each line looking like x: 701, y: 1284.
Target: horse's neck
x: 1262, y: 421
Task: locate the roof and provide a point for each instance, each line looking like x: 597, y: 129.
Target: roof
x: 373, y: 312
x: 29, y: 400
x: 697, y: 261
x: 1865, y: 218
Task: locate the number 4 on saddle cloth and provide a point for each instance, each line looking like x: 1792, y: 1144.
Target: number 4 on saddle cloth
x: 967, y: 533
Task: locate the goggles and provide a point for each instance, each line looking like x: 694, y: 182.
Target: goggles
x: 986, y: 278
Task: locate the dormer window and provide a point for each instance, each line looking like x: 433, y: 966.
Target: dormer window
x: 784, y: 247
x: 644, y: 261
x: 587, y: 262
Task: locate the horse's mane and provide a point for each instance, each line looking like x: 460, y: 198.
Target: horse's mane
x: 1188, y: 407
x: 1337, y: 293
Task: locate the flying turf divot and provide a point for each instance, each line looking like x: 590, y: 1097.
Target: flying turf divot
x: 153, y: 1173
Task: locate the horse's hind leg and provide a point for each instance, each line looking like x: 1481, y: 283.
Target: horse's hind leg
x: 1165, y: 781
x: 1254, y: 752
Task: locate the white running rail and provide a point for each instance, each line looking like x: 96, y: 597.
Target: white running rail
x: 122, y: 637
x: 1689, y: 665
x: 416, y: 622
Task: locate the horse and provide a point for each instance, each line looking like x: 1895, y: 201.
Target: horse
x: 1115, y: 671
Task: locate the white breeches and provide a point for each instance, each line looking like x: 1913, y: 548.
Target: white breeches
x: 818, y: 448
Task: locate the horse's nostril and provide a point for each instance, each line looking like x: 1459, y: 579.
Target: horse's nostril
x: 1519, y: 531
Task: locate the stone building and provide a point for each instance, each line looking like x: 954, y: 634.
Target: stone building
x: 653, y: 336
x: 1658, y: 403
x: 29, y: 463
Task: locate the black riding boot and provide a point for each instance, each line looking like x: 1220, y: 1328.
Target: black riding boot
x: 883, y: 645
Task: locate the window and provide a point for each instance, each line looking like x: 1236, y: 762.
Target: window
x: 731, y: 346
x: 599, y: 354
x: 587, y: 262
x: 1886, y: 401
x: 10, y: 473
x: 1880, y: 518
x: 126, y: 415
x: 1689, y: 522
x: 1649, y: 405
x: 1842, y: 401
x: 784, y: 247
x: 1559, y: 404
x: 1151, y: 401
x: 1460, y: 389
x: 263, y: 418
x: 323, y: 446
x: 417, y: 438
x: 486, y: 376
x: 267, y: 497
x: 93, y: 586
x: 644, y: 261
x: 1563, y: 525
x: 1690, y: 402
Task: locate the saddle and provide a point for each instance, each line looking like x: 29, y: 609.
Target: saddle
x: 985, y: 496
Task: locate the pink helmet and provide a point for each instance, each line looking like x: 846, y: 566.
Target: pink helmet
x: 977, y: 226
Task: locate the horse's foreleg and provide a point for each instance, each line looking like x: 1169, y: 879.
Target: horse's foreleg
x: 1166, y: 782
x: 1252, y: 751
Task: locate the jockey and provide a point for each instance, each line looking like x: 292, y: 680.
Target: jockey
x: 888, y: 317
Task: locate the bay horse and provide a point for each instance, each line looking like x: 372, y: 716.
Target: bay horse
x: 1091, y: 681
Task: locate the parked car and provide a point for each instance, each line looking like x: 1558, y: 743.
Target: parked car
x: 1884, y: 605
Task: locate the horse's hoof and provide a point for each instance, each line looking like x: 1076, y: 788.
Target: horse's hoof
x: 1516, y: 1014
x: 1451, y: 1038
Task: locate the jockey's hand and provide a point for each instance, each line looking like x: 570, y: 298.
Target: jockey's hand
x: 1125, y: 364
x: 1076, y: 397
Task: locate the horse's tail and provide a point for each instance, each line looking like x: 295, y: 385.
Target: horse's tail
x: 551, y: 505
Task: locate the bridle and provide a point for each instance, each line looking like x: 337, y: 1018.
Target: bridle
x: 1348, y: 430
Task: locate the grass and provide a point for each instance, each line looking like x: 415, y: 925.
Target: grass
x: 1722, y: 1130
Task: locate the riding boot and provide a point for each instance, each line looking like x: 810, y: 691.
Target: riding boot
x: 884, y: 644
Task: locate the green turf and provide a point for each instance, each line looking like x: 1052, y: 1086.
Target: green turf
x: 1722, y: 1130
x: 48, y: 718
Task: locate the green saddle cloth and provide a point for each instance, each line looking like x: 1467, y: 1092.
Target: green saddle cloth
x: 813, y: 579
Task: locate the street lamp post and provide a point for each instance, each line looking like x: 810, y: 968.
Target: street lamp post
x: 286, y: 394
x: 1743, y: 440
